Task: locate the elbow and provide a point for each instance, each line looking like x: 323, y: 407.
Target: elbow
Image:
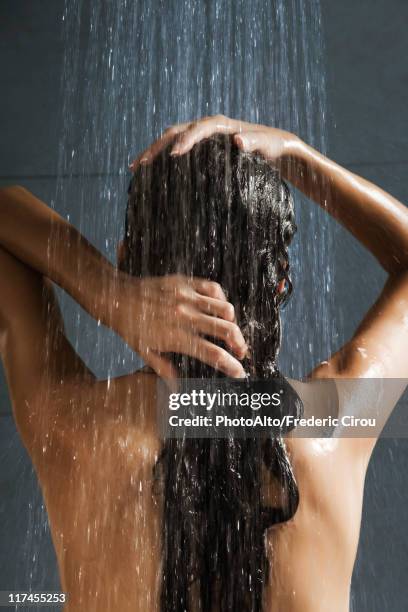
x: 9, y: 197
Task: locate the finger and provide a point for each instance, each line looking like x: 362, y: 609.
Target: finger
x: 216, y: 308
x: 147, y: 156
x: 178, y: 292
x: 153, y: 150
x: 218, y: 328
x: 249, y: 141
x: 208, y: 288
x: 163, y: 367
x: 204, y: 128
x: 180, y: 341
x: 185, y: 293
x: 271, y: 147
x: 207, y: 295
x: 214, y: 356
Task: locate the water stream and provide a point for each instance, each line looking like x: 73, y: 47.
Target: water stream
x: 131, y: 68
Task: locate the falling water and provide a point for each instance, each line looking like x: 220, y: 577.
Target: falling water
x: 131, y: 68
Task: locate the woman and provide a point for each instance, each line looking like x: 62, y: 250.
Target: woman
x: 95, y: 444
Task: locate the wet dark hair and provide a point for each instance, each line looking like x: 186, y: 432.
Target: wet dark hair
x: 225, y: 215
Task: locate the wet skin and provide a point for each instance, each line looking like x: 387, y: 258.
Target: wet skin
x: 94, y: 443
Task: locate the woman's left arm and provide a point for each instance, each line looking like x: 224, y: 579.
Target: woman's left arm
x: 153, y: 315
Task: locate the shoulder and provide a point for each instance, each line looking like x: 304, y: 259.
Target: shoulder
x: 356, y: 409
x: 79, y: 411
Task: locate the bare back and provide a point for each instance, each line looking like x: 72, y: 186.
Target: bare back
x: 94, y: 448
x: 94, y: 444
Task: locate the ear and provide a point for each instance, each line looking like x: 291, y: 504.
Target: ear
x: 281, y: 286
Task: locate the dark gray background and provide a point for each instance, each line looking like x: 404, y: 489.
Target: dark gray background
x: 367, y: 85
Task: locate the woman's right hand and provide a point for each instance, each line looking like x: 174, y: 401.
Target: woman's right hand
x: 274, y: 144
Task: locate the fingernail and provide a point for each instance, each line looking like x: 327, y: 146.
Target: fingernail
x: 144, y: 160
x: 175, y: 151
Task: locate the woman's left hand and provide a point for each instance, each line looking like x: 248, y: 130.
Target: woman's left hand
x: 271, y: 142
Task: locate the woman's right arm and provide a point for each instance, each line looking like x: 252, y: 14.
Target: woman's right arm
x: 374, y: 217
x: 379, y: 346
x: 378, y: 349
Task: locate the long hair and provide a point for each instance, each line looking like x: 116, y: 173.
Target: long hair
x: 225, y: 215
